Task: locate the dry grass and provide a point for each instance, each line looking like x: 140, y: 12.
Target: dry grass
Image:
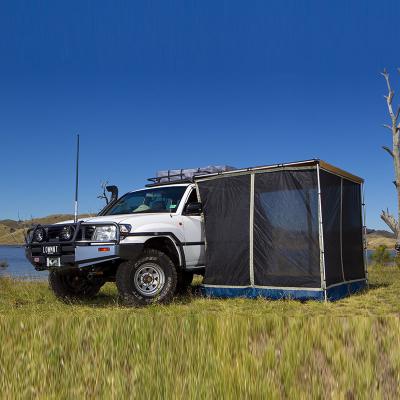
x: 375, y: 240
x: 12, y: 232
x: 200, y: 348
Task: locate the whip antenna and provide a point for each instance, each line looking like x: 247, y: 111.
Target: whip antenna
x: 76, y: 179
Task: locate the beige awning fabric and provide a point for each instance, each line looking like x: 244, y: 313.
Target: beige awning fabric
x: 340, y: 172
x: 292, y: 165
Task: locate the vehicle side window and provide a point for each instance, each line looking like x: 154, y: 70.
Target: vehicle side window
x: 160, y: 199
x: 192, y: 197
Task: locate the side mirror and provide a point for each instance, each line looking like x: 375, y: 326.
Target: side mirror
x: 194, y: 209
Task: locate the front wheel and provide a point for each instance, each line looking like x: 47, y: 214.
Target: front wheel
x: 150, y: 279
x: 74, y: 284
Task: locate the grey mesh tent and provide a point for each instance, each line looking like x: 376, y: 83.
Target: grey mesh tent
x: 283, y: 231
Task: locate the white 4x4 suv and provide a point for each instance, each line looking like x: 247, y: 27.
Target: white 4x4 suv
x: 149, y: 241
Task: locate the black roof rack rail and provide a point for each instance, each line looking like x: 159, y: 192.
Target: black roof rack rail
x: 158, y: 179
x: 175, y: 178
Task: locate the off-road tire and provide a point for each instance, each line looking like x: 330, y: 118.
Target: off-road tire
x: 74, y: 285
x: 185, y: 279
x: 127, y: 279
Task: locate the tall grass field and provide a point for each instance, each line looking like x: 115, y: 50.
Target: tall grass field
x: 200, y: 348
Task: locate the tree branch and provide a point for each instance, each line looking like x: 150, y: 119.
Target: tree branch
x: 385, y: 74
x: 390, y: 221
x: 389, y: 97
x: 388, y: 150
x: 103, y: 195
x: 388, y: 127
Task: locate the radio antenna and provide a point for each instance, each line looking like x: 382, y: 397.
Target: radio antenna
x: 76, y: 179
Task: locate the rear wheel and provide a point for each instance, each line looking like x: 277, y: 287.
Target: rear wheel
x: 150, y: 279
x: 74, y: 284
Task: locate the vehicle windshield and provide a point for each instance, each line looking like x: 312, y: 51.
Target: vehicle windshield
x: 156, y: 200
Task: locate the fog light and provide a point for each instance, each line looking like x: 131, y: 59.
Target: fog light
x: 67, y: 233
x: 39, y: 235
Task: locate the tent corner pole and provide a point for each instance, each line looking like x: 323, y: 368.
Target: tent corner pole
x: 321, y: 237
x: 364, y: 233
x: 251, y: 233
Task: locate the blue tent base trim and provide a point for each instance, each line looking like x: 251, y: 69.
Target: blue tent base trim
x: 345, y: 289
x: 252, y: 293
x: 333, y: 293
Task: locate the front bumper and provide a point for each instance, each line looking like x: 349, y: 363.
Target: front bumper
x: 79, y: 252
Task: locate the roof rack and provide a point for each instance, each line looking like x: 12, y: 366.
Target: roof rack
x: 185, y: 175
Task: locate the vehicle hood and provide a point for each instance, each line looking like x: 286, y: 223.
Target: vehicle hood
x: 106, y: 218
x: 109, y: 218
x: 147, y: 221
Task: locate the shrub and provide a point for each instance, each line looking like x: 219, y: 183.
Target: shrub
x: 381, y: 256
x: 396, y: 260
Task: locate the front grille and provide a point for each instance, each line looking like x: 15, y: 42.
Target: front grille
x: 53, y: 232
x: 87, y: 232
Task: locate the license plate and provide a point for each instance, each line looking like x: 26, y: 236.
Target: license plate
x: 53, y: 262
x: 51, y: 249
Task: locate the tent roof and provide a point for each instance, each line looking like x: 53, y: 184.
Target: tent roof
x: 297, y: 164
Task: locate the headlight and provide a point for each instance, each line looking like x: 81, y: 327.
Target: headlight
x: 104, y: 233
x: 125, y: 229
x: 39, y: 235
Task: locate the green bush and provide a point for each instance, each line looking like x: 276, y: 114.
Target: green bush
x: 381, y: 256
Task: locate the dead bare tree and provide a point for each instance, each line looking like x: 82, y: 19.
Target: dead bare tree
x: 103, y: 195
x: 391, y: 221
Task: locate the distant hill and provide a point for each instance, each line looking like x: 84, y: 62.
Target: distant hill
x: 12, y: 232
x: 382, y: 233
x: 377, y: 238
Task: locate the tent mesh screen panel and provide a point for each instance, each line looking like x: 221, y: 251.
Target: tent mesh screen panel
x: 286, y: 236
x: 286, y: 239
x: 226, y: 207
x: 353, y: 261
x: 342, y: 227
x: 330, y: 202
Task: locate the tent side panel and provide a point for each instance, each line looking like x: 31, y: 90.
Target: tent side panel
x: 331, y: 215
x: 286, y: 237
x: 352, y: 227
x: 226, y: 207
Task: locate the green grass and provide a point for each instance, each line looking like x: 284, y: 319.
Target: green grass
x: 200, y: 348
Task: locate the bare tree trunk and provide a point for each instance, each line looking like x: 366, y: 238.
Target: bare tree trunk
x: 394, y: 127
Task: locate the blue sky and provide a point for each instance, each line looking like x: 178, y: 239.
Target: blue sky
x: 168, y: 84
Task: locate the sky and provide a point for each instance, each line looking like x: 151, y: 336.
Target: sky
x: 154, y: 85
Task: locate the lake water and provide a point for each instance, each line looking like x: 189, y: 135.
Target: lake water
x: 19, y: 267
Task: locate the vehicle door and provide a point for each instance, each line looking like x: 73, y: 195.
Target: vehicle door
x: 194, y: 245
